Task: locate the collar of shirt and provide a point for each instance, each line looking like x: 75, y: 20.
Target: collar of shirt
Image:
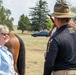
x: 4, y: 48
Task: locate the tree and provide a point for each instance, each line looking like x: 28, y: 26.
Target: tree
x: 5, y: 18
x: 23, y: 23
x: 27, y: 22
x: 9, y: 21
x: 49, y: 24
x: 1, y: 3
x: 61, y: 1
x: 39, y: 16
x: 73, y: 9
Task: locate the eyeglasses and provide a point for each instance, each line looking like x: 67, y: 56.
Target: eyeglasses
x: 5, y: 34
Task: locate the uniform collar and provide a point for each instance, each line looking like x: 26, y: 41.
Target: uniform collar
x: 64, y: 26
x: 61, y: 29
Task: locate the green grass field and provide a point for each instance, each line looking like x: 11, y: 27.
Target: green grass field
x: 35, y: 48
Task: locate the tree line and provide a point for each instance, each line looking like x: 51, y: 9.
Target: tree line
x: 39, y: 18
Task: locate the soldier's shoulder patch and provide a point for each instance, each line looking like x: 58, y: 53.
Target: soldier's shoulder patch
x: 71, y: 30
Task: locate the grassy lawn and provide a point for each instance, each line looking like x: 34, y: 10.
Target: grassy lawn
x: 35, y: 47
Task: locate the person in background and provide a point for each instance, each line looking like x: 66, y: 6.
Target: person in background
x: 60, y: 58
x: 6, y: 58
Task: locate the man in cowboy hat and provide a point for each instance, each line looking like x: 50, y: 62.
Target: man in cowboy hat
x: 61, y: 55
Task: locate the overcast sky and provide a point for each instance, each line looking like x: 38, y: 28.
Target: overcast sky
x: 19, y: 7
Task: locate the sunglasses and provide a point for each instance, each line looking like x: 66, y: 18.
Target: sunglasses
x: 5, y: 34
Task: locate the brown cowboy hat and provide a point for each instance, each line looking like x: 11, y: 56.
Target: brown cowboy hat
x: 62, y: 11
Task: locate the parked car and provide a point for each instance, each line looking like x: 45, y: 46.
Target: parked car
x: 42, y: 33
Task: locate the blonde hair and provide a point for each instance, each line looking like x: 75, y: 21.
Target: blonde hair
x: 3, y: 28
